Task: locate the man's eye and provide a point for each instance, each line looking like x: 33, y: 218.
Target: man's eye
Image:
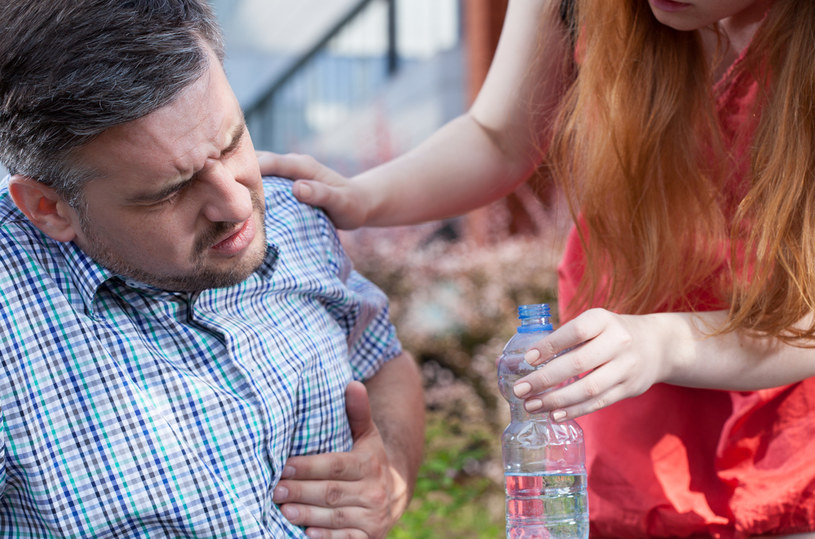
x: 167, y: 201
x: 173, y: 197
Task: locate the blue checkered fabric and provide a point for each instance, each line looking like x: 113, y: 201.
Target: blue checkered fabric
x: 129, y: 411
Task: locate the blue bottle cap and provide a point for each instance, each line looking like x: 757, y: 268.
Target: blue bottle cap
x: 535, y: 310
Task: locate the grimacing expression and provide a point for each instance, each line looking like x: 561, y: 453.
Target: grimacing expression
x: 178, y: 201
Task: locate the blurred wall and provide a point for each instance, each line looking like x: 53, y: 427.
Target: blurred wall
x: 381, y: 79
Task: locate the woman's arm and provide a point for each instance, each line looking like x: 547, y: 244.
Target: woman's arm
x: 476, y: 158
x: 621, y: 356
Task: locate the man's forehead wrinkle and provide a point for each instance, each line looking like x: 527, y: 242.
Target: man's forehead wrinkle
x: 170, y: 130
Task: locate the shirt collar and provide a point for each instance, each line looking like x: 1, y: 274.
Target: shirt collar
x: 88, y: 275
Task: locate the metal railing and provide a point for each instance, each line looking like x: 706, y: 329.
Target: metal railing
x: 326, y: 82
x: 343, y: 71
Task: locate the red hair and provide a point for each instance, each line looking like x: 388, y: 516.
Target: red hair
x: 639, y: 152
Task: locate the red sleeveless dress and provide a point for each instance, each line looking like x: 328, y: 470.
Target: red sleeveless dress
x: 680, y: 462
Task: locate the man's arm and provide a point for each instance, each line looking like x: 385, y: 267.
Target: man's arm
x: 362, y: 493
x: 397, y: 405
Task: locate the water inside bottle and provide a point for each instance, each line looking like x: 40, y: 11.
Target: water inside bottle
x: 550, y: 506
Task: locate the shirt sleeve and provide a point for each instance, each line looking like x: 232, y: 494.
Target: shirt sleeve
x: 362, y: 311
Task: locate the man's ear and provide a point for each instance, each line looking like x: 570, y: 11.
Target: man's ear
x: 43, y: 207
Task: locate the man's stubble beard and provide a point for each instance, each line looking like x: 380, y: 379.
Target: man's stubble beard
x: 199, y: 278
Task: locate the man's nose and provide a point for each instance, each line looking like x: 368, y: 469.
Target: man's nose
x: 227, y: 200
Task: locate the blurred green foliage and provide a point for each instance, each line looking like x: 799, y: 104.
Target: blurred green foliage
x: 449, y: 500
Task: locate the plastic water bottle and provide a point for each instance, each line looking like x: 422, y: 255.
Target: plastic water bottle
x: 544, y: 461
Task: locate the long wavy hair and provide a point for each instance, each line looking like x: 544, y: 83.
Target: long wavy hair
x: 655, y: 182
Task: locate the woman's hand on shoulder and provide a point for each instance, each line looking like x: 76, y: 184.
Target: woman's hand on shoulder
x: 318, y: 185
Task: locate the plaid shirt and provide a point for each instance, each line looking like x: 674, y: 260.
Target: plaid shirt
x: 129, y: 411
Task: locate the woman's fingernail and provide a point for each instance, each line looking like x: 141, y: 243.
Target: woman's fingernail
x: 533, y: 405
x: 558, y: 415
x: 287, y: 472
x: 522, y: 389
x: 532, y: 355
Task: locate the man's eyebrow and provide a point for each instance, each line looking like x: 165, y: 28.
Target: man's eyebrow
x: 237, y: 135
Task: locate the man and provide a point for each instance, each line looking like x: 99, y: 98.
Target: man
x: 173, y: 327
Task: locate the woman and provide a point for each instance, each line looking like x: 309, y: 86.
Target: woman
x: 683, y: 134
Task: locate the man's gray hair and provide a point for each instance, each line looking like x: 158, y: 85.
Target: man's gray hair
x: 71, y: 69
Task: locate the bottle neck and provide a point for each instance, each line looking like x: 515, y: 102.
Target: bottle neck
x: 533, y: 325
x: 534, y: 318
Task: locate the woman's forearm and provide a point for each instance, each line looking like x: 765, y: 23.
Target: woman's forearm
x: 732, y: 361
x: 486, y: 153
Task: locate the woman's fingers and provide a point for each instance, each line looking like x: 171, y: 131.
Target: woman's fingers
x: 595, y: 360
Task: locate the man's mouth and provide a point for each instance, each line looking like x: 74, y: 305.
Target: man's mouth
x: 238, y: 240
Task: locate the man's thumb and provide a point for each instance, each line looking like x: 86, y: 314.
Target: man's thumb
x: 359, y: 409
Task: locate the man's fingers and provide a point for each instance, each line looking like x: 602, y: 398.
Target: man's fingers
x: 345, y: 513
x: 330, y: 494
x: 318, y: 533
x: 339, y: 466
x: 324, y: 522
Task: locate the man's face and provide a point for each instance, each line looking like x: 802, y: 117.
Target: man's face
x: 179, y: 201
